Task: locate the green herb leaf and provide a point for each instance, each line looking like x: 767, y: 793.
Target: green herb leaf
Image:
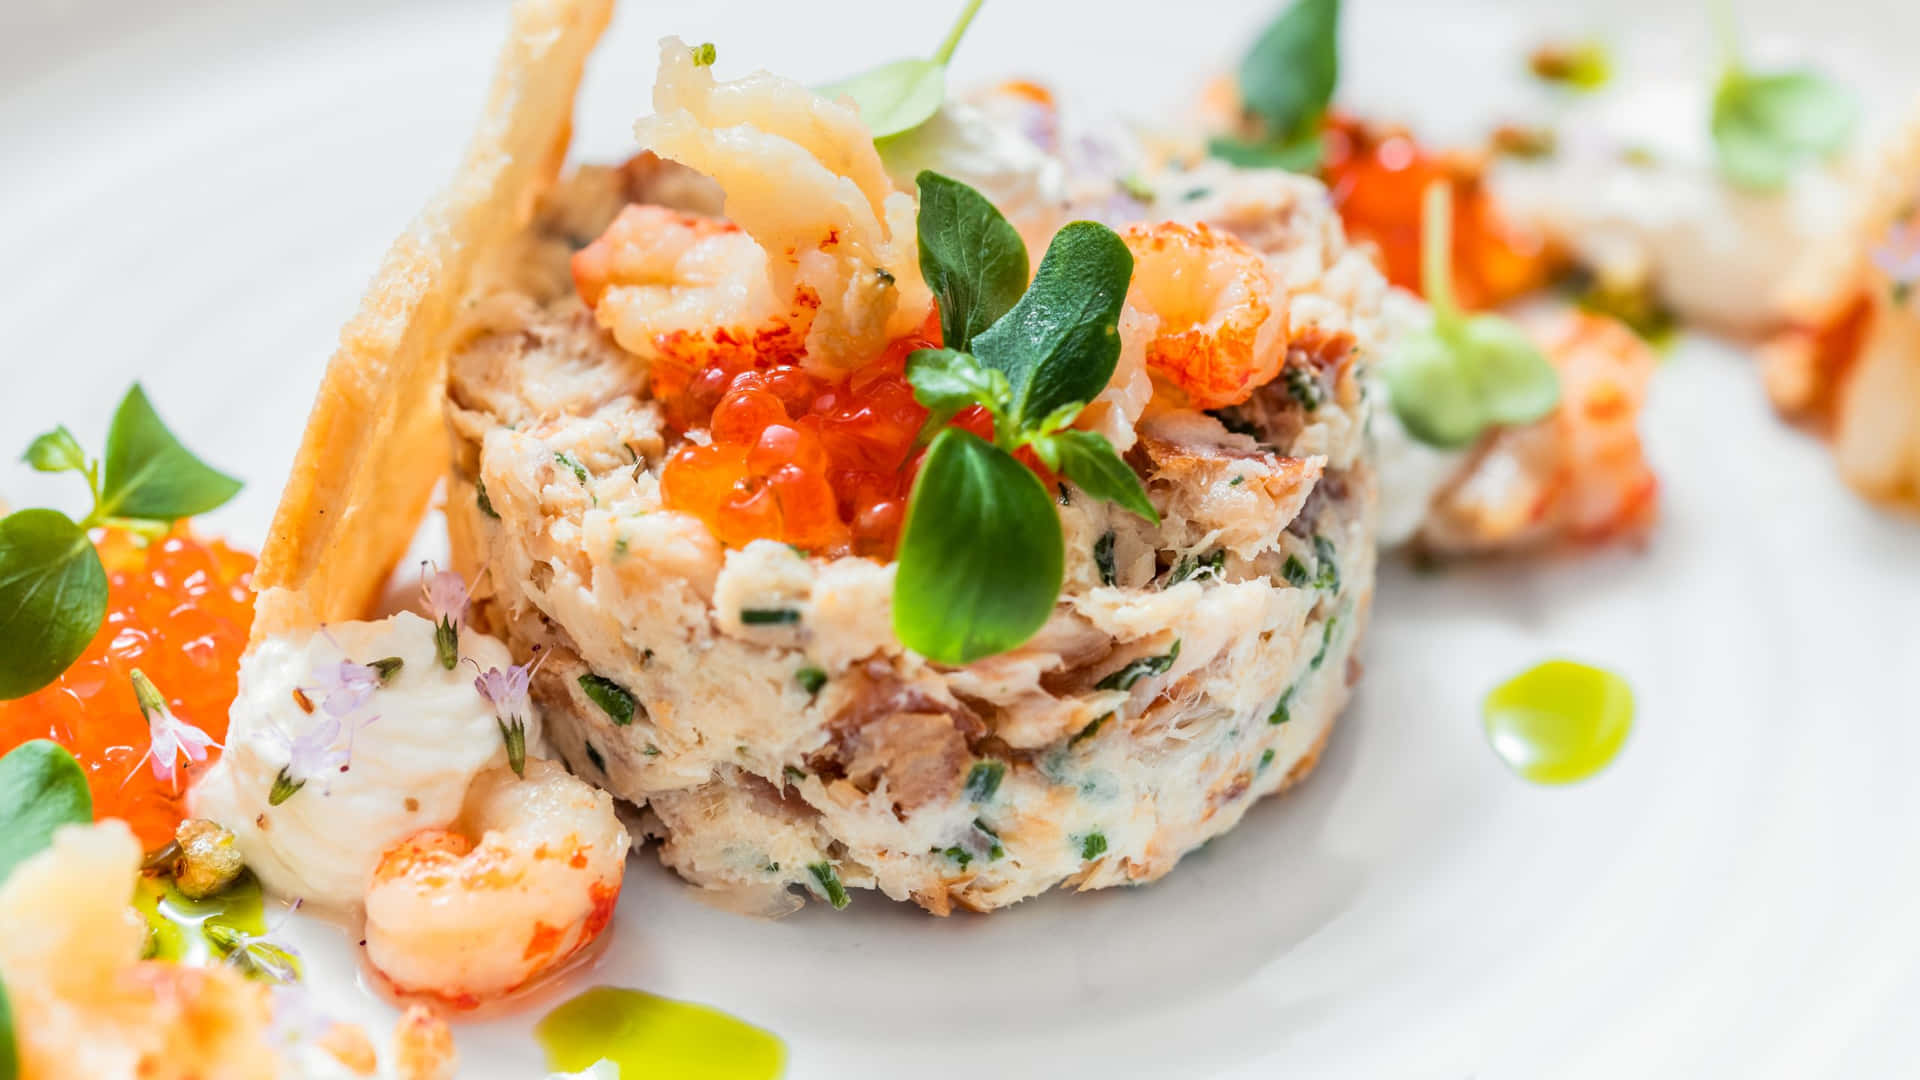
x: 1328, y: 576
x: 1448, y: 384
x: 1093, y: 846
x: 971, y: 256
x: 1288, y: 77
x: 902, y: 95
x: 1190, y: 566
x: 946, y: 381
x: 1142, y: 668
x: 149, y: 475
x: 1266, y: 758
x: 1295, y: 572
x: 53, y: 594
x: 1282, y: 709
x: 811, y: 679
x: 481, y: 500
x: 1089, y: 460
x: 614, y: 700
x: 1059, y: 343
x: 769, y: 616
x: 830, y: 886
x: 41, y: 789
x: 1767, y: 126
x: 56, y: 451
x: 1299, y: 155
x: 983, y: 781
x: 981, y: 557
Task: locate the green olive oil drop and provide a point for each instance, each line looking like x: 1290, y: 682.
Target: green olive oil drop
x: 656, y: 1038
x: 1559, y: 722
x: 176, y: 925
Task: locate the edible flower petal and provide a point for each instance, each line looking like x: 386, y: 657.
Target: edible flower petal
x: 171, y: 737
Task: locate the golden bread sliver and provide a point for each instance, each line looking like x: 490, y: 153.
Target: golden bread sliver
x: 375, y: 443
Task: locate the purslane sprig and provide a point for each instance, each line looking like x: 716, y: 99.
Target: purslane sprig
x: 1469, y: 372
x: 1767, y: 124
x: 904, y: 94
x: 53, y: 589
x: 981, y: 553
x: 1286, y: 82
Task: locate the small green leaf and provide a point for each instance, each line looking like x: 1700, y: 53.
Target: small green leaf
x: 983, y: 781
x: 946, y: 381
x: 56, y: 451
x: 900, y: 96
x: 1142, y: 668
x: 1288, y: 77
x: 1430, y: 395
x: 1298, y: 155
x: 704, y: 54
x: 981, y: 556
x: 41, y: 788
x: 971, y: 256
x: 830, y: 886
x: 53, y: 594
x: 1103, y: 557
x: 1766, y: 126
x: 1093, y: 845
x: 149, y: 475
x: 614, y: 700
x: 1089, y: 460
x: 1059, y: 343
x: 1516, y: 382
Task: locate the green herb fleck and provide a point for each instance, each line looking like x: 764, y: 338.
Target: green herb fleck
x: 1326, y: 641
x: 959, y: 855
x: 480, y: 499
x: 1329, y: 565
x: 994, y: 850
x: 1236, y: 481
x: 1295, y: 572
x: 769, y: 616
x: 615, y: 700
x: 983, y: 780
x: 1093, y: 845
x: 651, y: 750
x: 794, y: 773
x: 1103, y: 557
x: 1282, y: 709
x: 1233, y: 421
x: 1302, y: 387
x: 704, y: 54
x: 1214, y: 562
x: 829, y: 882
x: 811, y: 679
x: 593, y: 755
x: 1140, y: 669
x: 1090, y: 730
x: 1266, y: 758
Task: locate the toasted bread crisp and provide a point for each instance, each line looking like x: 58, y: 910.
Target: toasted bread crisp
x: 375, y: 443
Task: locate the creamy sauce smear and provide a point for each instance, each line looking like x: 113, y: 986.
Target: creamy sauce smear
x: 1559, y: 722
x: 655, y: 1038
x: 177, y: 923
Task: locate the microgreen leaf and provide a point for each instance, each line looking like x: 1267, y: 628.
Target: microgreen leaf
x: 57, y: 451
x: 1299, y: 155
x: 1059, y: 344
x: 1450, y: 383
x: 981, y: 556
x: 946, y: 381
x: 41, y: 788
x: 1766, y: 125
x: 902, y: 95
x: 971, y: 256
x: 1288, y: 77
x: 1089, y: 460
x: 149, y: 475
x: 53, y: 594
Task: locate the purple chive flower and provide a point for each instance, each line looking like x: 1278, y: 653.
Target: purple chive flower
x: 171, y: 738
x: 445, y: 595
x: 508, y: 692
x: 1898, y: 256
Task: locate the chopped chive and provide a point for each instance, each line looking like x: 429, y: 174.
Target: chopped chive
x: 811, y: 679
x: 1295, y: 572
x: 480, y: 499
x: 614, y: 700
x: 1302, y: 388
x: 1093, y: 846
x: 1190, y: 566
x: 830, y: 886
x: 960, y: 855
x: 1087, y: 732
x: 794, y: 773
x: 1282, y: 709
x: 1103, y: 558
x: 651, y: 750
x: 386, y: 668
x: 1323, y: 550
x: 995, y: 851
x: 1140, y: 669
x: 573, y: 464
x: 619, y: 547
x: 593, y: 755
x: 1266, y: 759
x: 769, y: 616
x: 772, y: 868
x: 984, y: 779
x: 1236, y: 481
x: 1326, y: 641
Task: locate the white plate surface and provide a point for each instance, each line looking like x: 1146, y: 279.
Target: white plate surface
x: 194, y: 193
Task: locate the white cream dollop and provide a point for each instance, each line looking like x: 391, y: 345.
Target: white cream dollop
x: 417, y: 742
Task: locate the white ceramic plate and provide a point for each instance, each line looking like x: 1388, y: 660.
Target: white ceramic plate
x: 194, y: 193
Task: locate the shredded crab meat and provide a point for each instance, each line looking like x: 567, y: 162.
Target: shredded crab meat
x: 804, y: 183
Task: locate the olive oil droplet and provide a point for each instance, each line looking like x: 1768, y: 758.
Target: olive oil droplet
x: 1559, y: 722
x: 656, y: 1038
x: 176, y: 925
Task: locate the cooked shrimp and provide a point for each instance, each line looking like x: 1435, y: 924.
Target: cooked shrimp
x: 525, y: 878
x: 803, y: 180
x: 1579, y: 474
x: 1219, y: 337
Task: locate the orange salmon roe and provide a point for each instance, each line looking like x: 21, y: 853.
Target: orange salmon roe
x: 1378, y: 179
x: 179, y: 610
x: 824, y: 466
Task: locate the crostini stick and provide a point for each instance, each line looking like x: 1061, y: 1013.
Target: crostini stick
x: 376, y: 443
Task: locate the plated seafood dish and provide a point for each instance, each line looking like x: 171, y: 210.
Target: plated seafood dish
x: 828, y: 502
